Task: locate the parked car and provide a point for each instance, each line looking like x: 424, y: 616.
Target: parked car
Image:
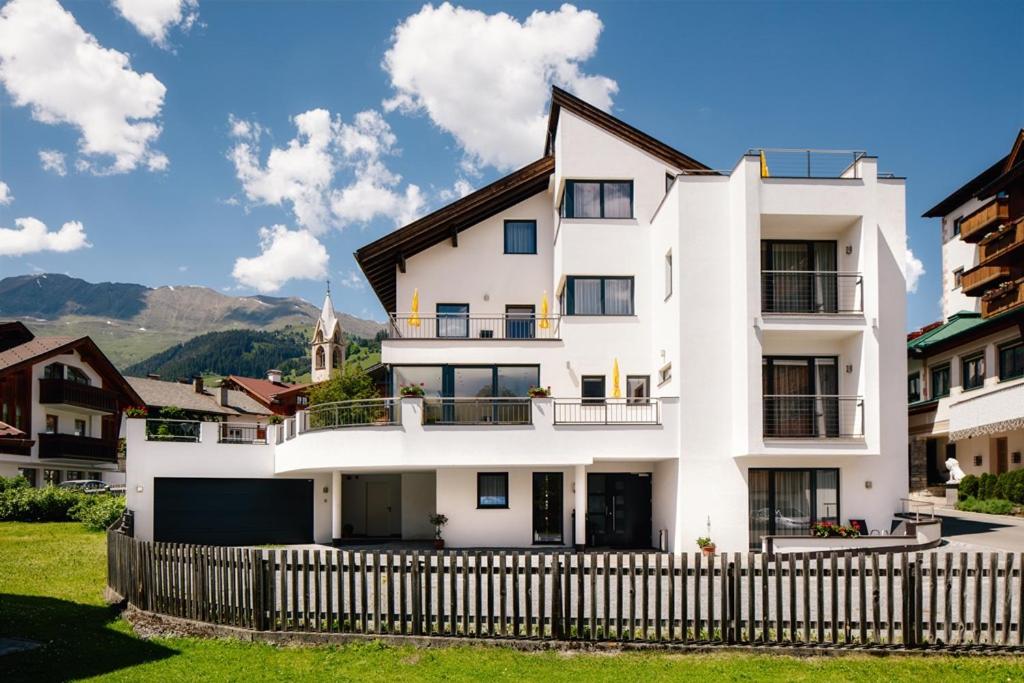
x: 86, y: 485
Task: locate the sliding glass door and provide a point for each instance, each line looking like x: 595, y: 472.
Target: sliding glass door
x: 787, y: 502
x: 801, y: 396
x: 799, y: 277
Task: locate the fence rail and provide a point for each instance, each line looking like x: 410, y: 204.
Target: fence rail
x: 904, y: 599
x: 811, y: 292
x: 241, y: 433
x: 809, y: 163
x: 608, y: 411
x: 813, y: 416
x: 158, y: 429
x: 477, y: 411
x: 458, y: 326
x: 362, y: 413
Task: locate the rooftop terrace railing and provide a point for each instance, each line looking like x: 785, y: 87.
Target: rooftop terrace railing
x: 808, y: 163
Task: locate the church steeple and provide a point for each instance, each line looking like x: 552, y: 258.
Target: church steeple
x: 328, y: 345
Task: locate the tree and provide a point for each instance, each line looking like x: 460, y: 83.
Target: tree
x: 351, y: 385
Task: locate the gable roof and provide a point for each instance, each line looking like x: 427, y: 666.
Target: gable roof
x: 961, y: 328
x: 162, y: 393
x: 379, y: 259
x: 988, y: 182
x: 560, y: 99
x: 265, y: 390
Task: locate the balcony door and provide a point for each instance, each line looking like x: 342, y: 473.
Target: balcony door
x: 800, y: 396
x: 799, y: 277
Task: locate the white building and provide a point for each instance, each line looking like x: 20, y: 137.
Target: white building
x: 722, y: 349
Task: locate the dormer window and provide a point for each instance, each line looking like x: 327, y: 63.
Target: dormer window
x: 598, y: 199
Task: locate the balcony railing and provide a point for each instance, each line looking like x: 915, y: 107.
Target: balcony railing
x: 1004, y: 297
x: 809, y: 163
x: 77, y: 447
x: 609, y: 411
x: 376, y: 412
x: 186, y: 431
x: 811, y: 292
x: 477, y: 411
x: 975, y: 226
x: 813, y: 417
x: 456, y: 327
x: 62, y: 391
x: 976, y: 280
x: 242, y: 433
x: 999, y: 248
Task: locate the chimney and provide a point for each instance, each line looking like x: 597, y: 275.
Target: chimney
x: 222, y: 395
x: 197, y: 383
x: 274, y: 376
x: 152, y: 375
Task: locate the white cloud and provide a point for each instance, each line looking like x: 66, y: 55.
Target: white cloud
x: 153, y: 18
x: 284, y: 255
x: 49, y: 64
x: 53, y: 161
x: 913, y: 269
x: 458, y: 190
x: 353, y: 280
x: 304, y: 173
x: 182, y: 269
x: 5, y: 194
x: 484, y: 78
x: 31, y: 236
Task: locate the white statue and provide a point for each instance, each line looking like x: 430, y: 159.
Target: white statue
x: 955, y: 473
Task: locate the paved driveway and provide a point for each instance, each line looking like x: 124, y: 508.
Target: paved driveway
x: 978, y: 532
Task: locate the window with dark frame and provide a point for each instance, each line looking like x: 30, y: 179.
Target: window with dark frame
x: 956, y: 225
x: 958, y: 276
x: 520, y: 237
x: 453, y: 320
x: 592, y: 389
x: 638, y: 388
x: 491, y: 490
x: 598, y: 199
x: 54, y: 371
x: 520, y: 322
x: 52, y: 424
x: 914, y: 387
x: 665, y: 374
x: 598, y: 295
x: 940, y: 381
x: 1011, y: 360
x: 972, y: 371
x: 788, y: 502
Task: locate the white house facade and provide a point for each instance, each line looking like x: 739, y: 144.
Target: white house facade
x: 616, y: 346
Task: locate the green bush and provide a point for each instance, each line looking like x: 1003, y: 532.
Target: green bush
x: 968, y: 487
x: 18, y: 482
x: 98, y: 511
x: 1007, y: 486
x: 987, y: 486
x: 992, y: 506
x: 26, y: 504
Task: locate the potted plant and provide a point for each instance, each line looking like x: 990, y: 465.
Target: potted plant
x: 438, y: 521
x: 539, y: 392
x: 411, y: 390
x: 706, y: 545
x: 136, y: 411
x: 275, y: 420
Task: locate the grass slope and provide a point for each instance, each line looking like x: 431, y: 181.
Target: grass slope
x: 51, y: 580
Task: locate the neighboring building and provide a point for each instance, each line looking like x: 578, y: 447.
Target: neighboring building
x: 276, y: 396
x: 198, y: 402
x: 61, y: 402
x: 720, y: 349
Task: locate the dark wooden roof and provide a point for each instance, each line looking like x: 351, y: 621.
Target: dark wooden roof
x: 561, y: 99
x: 380, y: 258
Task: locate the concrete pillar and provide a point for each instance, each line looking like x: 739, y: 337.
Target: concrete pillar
x: 580, y: 490
x: 335, y: 504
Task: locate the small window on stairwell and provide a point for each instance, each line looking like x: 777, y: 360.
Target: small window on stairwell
x: 958, y: 275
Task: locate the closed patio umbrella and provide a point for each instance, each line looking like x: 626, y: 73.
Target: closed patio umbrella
x: 544, y: 324
x: 616, y: 385
x: 414, y: 319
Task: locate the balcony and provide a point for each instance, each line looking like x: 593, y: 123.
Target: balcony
x: 975, y: 281
x: 371, y: 412
x: 472, y: 327
x: 70, y: 446
x: 978, y: 224
x: 810, y: 292
x: 809, y: 163
x: 187, y: 431
x: 1003, y: 298
x: 477, y: 411
x: 813, y: 417
x: 631, y: 411
x: 54, y: 391
x: 1000, y: 248
x: 242, y: 433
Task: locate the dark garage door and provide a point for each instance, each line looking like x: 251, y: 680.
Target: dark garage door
x: 233, y: 511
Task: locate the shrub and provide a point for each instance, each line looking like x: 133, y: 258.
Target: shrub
x: 968, y: 487
x: 987, y: 486
x: 26, y: 504
x: 98, y: 511
x: 18, y: 482
x: 993, y: 506
x: 1013, y: 486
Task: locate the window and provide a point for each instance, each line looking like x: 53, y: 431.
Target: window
x: 956, y: 225
x: 78, y: 376
x: 787, y: 502
x: 598, y: 199
x: 973, y: 371
x: 51, y: 424
x: 519, y: 322
x: 1011, y: 360
x: 492, y: 489
x: 593, y: 389
x: 29, y: 473
x: 638, y: 388
x: 668, y: 275
x: 81, y: 428
x: 74, y: 475
x: 914, y: 387
x: 665, y: 374
x: 801, y: 277
x: 520, y: 237
x: 453, y: 320
x: 958, y: 276
x: 598, y: 296
x: 321, y: 358
x: 978, y: 460
x: 54, y: 371
x: 940, y: 381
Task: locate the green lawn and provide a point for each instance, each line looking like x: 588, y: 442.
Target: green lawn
x: 51, y: 581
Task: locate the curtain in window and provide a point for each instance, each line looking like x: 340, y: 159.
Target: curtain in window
x: 493, y: 490
x: 792, y: 502
x: 826, y: 284
x: 760, y: 512
x: 827, y: 496
x: 586, y: 200
x: 452, y: 320
x: 618, y: 296
x: 618, y: 200
x: 827, y: 390
x: 789, y: 412
x: 790, y: 292
x: 587, y: 296
x: 520, y: 237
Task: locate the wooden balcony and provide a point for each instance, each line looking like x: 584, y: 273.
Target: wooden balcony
x: 975, y: 226
x: 975, y: 281
x: 1003, y: 298
x: 72, y: 447
x: 1001, y: 248
x: 63, y: 392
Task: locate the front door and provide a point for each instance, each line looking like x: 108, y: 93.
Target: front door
x: 619, y: 510
x: 1001, y: 448
x: 378, y: 508
x: 547, y: 508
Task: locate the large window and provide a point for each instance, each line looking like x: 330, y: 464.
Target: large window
x: 593, y: 388
x: 800, y: 277
x: 973, y: 371
x: 598, y: 296
x: 1011, y: 360
x: 453, y: 320
x: 598, y: 199
x: 940, y: 381
x: 520, y: 237
x: 801, y: 396
x: 787, y: 502
x: 914, y: 387
x: 520, y: 322
x: 492, y: 490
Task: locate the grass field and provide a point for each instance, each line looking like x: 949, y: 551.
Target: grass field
x: 51, y: 582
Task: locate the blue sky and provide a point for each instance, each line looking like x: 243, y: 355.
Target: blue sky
x: 930, y: 88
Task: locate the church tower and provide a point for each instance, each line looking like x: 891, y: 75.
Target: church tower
x: 328, y: 346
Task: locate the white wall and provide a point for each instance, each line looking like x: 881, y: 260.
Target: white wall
x: 957, y: 254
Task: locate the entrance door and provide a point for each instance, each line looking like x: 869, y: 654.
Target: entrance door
x: 378, y: 508
x: 619, y: 510
x: 1001, y: 449
x: 547, y: 508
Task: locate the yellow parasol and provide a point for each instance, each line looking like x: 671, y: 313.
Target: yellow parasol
x: 414, y: 319
x: 616, y: 388
x: 764, y: 166
x: 544, y: 324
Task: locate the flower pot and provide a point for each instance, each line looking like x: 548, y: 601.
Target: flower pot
x: 708, y: 550
x: 438, y: 544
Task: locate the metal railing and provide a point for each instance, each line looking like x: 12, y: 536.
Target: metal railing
x: 918, y: 509
x: 608, y: 411
x: 813, y: 416
x: 809, y: 163
x: 477, y: 411
x: 502, y: 327
x: 373, y: 412
x: 61, y: 391
x: 811, y: 292
x: 159, y: 429
x: 242, y: 433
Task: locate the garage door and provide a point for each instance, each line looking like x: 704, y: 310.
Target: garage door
x: 233, y: 511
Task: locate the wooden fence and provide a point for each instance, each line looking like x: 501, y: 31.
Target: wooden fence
x: 935, y: 598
